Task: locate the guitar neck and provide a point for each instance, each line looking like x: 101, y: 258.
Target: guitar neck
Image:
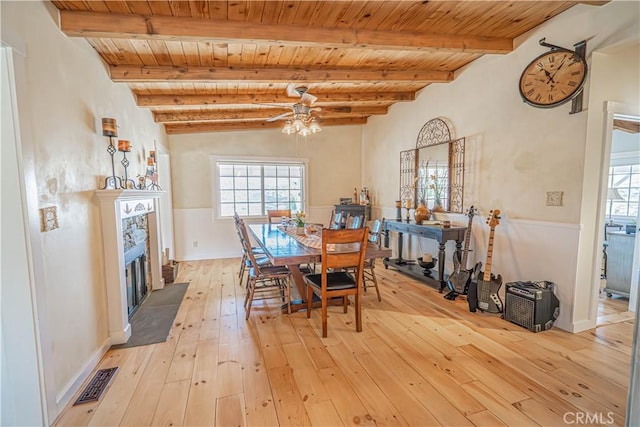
x: 487, y: 271
x: 467, y: 239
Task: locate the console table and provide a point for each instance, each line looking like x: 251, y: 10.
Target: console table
x: 436, y: 232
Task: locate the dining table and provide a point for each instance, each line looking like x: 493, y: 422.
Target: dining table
x: 284, y: 247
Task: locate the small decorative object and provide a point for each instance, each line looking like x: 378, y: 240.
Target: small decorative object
x: 427, y: 262
x: 299, y: 221
x: 125, y: 146
x: 446, y: 224
x: 408, y: 208
x: 553, y: 78
x: 151, y: 172
x: 109, y: 128
x: 421, y: 213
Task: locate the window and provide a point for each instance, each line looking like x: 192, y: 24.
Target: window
x: 253, y: 188
x: 625, y: 179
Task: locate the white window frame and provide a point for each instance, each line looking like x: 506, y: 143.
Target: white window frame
x: 216, y: 160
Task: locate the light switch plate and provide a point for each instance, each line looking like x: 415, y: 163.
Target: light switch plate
x: 48, y: 218
x: 554, y: 198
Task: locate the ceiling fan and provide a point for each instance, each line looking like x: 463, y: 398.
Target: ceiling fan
x: 302, y: 108
x: 301, y: 121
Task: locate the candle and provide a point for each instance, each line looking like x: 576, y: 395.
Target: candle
x: 124, y: 145
x: 408, y: 204
x: 398, y: 203
x: 152, y: 154
x: 149, y: 161
x: 109, y: 127
x: 427, y: 258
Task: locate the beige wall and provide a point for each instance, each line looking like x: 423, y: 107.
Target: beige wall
x: 334, y: 170
x: 67, y: 92
x: 516, y: 153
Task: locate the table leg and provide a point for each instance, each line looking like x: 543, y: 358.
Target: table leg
x: 400, y: 247
x: 441, y: 255
x: 298, y: 280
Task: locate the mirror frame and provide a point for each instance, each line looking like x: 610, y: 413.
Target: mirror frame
x: 435, y: 132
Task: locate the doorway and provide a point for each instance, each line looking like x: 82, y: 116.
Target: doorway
x: 621, y: 257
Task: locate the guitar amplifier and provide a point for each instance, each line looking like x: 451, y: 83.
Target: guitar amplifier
x: 532, y: 305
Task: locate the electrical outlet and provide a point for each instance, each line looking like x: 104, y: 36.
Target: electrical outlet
x: 48, y: 218
x: 554, y: 198
x: 195, y: 243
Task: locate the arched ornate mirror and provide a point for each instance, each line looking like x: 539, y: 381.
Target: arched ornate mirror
x: 433, y: 172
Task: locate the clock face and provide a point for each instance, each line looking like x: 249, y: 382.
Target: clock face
x: 553, y: 78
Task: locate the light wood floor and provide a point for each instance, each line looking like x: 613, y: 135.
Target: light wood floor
x: 420, y: 360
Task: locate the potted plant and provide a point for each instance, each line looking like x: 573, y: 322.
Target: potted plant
x: 299, y: 222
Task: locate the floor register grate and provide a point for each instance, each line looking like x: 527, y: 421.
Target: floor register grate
x: 96, y: 386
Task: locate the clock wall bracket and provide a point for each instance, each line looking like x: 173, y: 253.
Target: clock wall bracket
x: 581, y: 49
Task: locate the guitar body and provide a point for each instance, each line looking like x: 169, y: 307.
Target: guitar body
x: 459, y: 280
x: 487, y: 293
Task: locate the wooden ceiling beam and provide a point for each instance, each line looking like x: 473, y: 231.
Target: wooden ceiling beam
x: 156, y: 27
x: 155, y: 73
x: 197, y: 127
x: 268, y: 98
x: 262, y: 113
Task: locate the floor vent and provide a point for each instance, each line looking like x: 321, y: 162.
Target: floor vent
x: 96, y: 386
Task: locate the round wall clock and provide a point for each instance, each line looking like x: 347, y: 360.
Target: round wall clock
x: 553, y: 78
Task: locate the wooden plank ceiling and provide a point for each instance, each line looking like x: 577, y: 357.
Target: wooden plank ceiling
x: 204, y: 66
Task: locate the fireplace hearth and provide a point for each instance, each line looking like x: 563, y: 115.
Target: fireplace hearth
x: 132, y: 253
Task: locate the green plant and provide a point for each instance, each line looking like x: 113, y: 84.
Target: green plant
x: 300, y: 219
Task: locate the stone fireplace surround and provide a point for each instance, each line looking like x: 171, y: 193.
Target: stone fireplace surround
x: 114, y: 206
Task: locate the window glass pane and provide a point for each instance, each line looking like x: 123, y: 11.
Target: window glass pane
x: 283, y: 183
x: 242, y: 196
x: 240, y: 170
x: 269, y: 171
x: 633, y: 210
x: 269, y: 183
x: 240, y: 183
x: 619, y: 208
x: 296, y: 171
x: 226, y: 209
x: 226, y: 196
x: 226, y: 183
x: 270, y: 197
x: 255, y: 183
x: 296, y: 183
x: 620, y: 169
x: 242, y: 209
x: 635, y: 180
x: 226, y: 170
x: 255, y: 196
x: 634, y: 195
x: 283, y: 171
x: 255, y: 209
x: 255, y: 170
x: 270, y: 206
x: 635, y: 168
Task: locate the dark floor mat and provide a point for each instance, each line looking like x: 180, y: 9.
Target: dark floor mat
x: 152, y: 322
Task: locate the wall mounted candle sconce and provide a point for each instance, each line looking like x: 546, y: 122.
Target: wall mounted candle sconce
x: 110, y: 129
x: 125, y: 146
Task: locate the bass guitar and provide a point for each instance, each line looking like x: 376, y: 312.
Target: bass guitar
x: 460, y: 278
x: 487, y: 285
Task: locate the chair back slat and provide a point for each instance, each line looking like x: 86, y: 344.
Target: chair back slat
x: 278, y: 213
x: 336, y: 221
x: 344, y: 248
x: 375, y: 231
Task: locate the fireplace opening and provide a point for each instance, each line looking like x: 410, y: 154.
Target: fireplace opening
x: 136, y: 250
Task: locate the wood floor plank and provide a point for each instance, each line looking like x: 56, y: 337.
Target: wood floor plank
x: 419, y: 360
x: 144, y: 401
x: 199, y: 410
x: 171, y: 407
x: 230, y: 411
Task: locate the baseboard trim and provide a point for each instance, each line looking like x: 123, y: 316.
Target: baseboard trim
x: 71, y: 388
x: 583, y: 325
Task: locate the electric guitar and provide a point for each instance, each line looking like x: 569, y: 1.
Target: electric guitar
x: 487, y: 284
x: 461, y: 276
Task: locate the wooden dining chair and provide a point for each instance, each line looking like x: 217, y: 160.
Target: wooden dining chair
x: 341, y: 249
x: 278, y: 214
x: 260, y: 257
x: 369, y: 273
x: 354, y: 221
x: 266, y: 281
x: 336, y: 220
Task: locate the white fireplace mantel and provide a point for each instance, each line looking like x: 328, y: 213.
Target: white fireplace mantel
x: 114, y: 205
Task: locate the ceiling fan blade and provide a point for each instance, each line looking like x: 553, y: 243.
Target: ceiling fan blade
x: 291, y: 90
x: 280, y: 116
x: 307, y: 99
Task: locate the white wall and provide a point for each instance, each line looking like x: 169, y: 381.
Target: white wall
x: 334, y: 170
x: 69, y: 91
x: 515, y: 153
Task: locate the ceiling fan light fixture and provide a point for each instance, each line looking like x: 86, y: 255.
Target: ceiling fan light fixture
x: 314, y: 127
x: 298, y: 124
x: 288, y: 128
x: 304, y: 131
